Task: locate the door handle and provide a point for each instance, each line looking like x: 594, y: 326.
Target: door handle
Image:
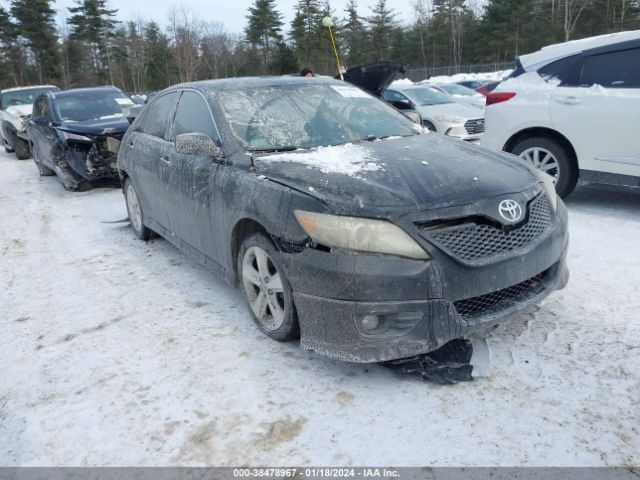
x: 569, y: 100
x: 165, y: 160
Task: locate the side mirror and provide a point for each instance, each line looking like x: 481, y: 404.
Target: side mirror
x: 133, y: 112
x: 197, y: 144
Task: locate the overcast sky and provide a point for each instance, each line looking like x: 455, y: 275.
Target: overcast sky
x: 230, y: 12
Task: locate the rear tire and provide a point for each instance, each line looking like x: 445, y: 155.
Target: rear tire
x: 134, y: 210
x: 539, y: 150
x: 266, y: 289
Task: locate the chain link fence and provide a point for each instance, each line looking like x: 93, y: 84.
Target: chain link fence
x: 419, y: 74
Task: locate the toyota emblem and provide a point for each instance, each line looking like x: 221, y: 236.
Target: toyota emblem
x: 510, y: 210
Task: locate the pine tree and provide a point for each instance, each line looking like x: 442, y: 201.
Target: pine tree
x: 263, y: 28
x: 307, y: 32
x: 355, y: 35
x: 92, y: 23
x: 35, y: 21
x: 382, y: 23
x: 158, y: 61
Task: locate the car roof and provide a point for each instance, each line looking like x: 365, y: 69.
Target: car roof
x: 32, y: 87
x: 75, y: 91
x: 239, y: 83
x: 557, y: 51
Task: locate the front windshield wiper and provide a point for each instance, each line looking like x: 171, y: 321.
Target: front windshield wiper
x: 283, y: 148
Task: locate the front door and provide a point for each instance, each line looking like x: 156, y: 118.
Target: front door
x: 189, y: 180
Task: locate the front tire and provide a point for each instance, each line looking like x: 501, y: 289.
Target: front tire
x: 550, y: 156
x: 43, y: 170
x: 20, y: 147
x: 134, y: 210
x: 266, y: 289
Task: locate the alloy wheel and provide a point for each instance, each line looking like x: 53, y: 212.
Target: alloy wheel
x: 263, y: 287
x: 135, y: 213
x: 544, y: 160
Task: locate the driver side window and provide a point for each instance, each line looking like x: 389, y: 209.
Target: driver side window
x: 193, y: 116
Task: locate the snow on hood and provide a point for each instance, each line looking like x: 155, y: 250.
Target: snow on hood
x: 401, y: 82
x: 20, y: 110
x: 423, y: 171
x: 348, y: 159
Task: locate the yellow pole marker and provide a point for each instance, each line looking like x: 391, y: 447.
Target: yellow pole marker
x: 327, y: 22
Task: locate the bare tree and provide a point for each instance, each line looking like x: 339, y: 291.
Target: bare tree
x: 422, y: 11
x: 185, y: 30
x: 572, y: 11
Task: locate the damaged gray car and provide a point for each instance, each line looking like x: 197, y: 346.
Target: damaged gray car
x: 345, y: 225
x: 75, y: 134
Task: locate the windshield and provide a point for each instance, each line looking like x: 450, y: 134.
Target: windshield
x: 308, y: 116
x: 23, y: 97
x: 455, y: 89
x: 83, y: 106
x: 428, y: 96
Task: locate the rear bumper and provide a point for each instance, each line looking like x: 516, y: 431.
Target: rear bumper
x: 421, y: 305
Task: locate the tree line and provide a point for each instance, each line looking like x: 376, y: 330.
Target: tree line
x: 93, y: 48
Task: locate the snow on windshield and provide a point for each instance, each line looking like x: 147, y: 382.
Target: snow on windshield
x: 308, y: 116
x: 346, y: 159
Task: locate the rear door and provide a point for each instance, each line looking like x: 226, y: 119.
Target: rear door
x: 598, y: 109
x: 189, y: 180
x: 146, y: 149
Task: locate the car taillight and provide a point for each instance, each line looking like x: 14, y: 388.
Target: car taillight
x: 497, y: 97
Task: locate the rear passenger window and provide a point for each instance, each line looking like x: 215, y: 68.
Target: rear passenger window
x: 193, y: 116
x: 612, y: 70
x: 159, y: 113
x: 561, y: 71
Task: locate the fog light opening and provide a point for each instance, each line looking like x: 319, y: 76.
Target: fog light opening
x: 370, y: 322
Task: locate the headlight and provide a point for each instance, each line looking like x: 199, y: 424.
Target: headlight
x: 73, y: 136
x: 549, y: 186
x: 449, y: 119
x: 359, y: 234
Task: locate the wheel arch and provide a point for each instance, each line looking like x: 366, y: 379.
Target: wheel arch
x: 242, y: 229
x: 543, y: 132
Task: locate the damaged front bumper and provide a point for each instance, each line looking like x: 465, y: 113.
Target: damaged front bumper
x: 374, y: 308
x: 89, y: 161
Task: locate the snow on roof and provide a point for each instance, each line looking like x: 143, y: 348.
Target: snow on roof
x: 15, y: 89
x: 560, y: 50
x: 461, y: 77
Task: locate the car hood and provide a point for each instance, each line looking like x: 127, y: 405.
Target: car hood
x: 98, y: 127
x: 20, y: 110
x: 394, y: 177
x: 374, y: 77
x: 455, y: 109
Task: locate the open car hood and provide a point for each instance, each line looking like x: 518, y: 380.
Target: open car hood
x: 374, y: 77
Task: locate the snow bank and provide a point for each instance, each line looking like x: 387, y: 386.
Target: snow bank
x: 348, y: 159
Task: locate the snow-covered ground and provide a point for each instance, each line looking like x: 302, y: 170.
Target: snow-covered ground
x: 119, y: 352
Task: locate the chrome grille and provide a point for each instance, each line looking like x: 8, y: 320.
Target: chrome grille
x: 473, y: 241
x: 495, y: 301
x: 473, y: 127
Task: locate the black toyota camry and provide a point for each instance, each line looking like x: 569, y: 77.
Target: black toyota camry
x: 75, y: 134
x: 344, y: 224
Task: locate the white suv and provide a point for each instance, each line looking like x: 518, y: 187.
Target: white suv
x: 573, y: 110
